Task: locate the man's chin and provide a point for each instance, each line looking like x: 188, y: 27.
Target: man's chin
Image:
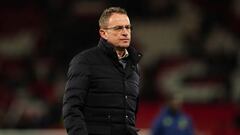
x: 124, y: 45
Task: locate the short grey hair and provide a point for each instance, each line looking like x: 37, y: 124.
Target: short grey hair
x: 106, y: 14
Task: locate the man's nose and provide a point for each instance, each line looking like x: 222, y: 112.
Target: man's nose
x: 125, y: 32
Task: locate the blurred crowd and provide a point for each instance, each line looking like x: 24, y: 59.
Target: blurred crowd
x: 38, y: 38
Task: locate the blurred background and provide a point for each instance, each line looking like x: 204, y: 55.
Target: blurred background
x: 190, y: 47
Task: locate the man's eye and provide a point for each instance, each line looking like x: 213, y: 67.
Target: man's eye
x: 118, y: 28
x: 128, y: 27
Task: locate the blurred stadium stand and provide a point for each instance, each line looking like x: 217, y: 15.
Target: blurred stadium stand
x: 190, y: 47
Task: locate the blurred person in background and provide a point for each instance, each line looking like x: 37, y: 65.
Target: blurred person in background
x: 172, y: 120
x: 102, y: 90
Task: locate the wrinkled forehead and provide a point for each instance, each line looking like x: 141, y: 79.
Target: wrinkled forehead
x: 118, y: 19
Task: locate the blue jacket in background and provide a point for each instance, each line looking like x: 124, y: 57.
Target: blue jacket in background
x: 168, y: 123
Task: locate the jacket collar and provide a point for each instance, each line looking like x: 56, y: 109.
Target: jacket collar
x: 108, y: 48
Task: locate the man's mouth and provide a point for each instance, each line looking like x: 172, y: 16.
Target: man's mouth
x: 125, y: 39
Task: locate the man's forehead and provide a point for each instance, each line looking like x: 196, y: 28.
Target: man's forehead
x: 119, y: 18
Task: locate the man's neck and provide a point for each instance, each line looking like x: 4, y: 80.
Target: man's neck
x: 120, y: 54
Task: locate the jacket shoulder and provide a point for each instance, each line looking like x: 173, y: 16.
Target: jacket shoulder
x: 84, y: 56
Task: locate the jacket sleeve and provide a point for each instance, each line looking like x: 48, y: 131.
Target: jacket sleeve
x: 190, y: 129
x: 73, y: 100
x: 140, y: 81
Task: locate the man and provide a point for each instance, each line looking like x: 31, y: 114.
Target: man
x: 172, y: 121
x: 102, y: 90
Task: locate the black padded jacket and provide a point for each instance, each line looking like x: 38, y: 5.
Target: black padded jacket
x: 101, y: 96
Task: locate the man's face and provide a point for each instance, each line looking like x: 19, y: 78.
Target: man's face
x: 117, y: 31
x: 175, y: 104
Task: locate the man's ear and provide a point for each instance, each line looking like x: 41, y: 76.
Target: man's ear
x: 103, y: 33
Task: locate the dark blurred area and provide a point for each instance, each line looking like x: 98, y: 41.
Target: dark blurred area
x: 190, y: 47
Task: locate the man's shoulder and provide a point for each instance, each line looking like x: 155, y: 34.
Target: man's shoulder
x: 85, y: 55
x: 186, y: 116
x: 87, y: 52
